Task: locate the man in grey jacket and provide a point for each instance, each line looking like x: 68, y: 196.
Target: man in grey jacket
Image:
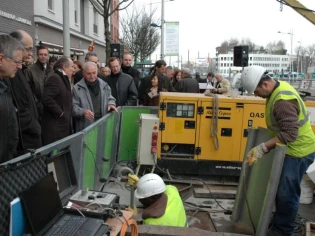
x: 92, y: 98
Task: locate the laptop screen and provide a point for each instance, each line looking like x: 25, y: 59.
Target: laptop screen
x: 41, y: 203
x: 62, y: 167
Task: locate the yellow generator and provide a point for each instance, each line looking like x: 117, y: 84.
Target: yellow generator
x: 189, y: 131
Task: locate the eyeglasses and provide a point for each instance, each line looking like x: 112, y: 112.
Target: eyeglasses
x: 20, y: 62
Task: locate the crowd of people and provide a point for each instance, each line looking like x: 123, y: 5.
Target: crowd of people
x: 49, y: 99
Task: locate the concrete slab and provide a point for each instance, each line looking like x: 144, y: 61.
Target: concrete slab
x: 217, y: 191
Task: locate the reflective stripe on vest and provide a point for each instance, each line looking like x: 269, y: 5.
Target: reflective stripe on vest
x: 175, y: 214
x: 274, y: 125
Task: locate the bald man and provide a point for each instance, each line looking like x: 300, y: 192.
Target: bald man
x: 24, y: 100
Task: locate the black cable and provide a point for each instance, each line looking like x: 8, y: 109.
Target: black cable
x: 294, y: 7
x: 247, y: 204
x: 204, y: 183
x: 101, y: 179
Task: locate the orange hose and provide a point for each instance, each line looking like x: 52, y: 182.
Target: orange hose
x: 134, y: 227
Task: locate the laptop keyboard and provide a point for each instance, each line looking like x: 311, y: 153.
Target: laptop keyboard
x: 68, y: 225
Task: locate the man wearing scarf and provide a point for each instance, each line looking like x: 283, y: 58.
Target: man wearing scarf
x: 92, y: 98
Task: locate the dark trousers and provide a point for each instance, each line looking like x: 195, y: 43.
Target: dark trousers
x: 289, y: 191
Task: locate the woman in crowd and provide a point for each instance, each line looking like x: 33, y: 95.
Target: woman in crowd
x: 177, y: 76
x: 152, y: 94
x: 77, y: 65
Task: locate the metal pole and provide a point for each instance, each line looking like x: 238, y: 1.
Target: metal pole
x: 291, y: 50
x: 162, y: 30
x: 66, y: 29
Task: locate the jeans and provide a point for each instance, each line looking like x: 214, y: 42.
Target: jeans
x: 289, y: 191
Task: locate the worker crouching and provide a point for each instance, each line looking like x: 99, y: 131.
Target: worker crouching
x: 163, y: 204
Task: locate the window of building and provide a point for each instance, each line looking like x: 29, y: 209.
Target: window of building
x: 95, y: 22
x: 76, y: 11
x: 51, y: 5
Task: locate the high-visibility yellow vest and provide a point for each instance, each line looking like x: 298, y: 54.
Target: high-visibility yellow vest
x: 175, y: 214
x: 305, y: 143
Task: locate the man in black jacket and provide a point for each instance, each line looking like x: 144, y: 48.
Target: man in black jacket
x: 11, y: 52
x: 38, y: 73
x: 164, y: 81
x: 187, y: 84
x: 122, y: 85
x: 126, y: 68
x: 24, y: 99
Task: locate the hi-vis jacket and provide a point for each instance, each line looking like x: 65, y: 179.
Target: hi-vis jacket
x: 305, y: 143
x: 175, y: 212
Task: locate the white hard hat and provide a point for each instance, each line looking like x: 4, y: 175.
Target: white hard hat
x: 149, y: 185
x: 251, y: 77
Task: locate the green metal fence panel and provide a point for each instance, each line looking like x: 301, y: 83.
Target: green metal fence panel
x: 129, y: 127
x: 100, y: 148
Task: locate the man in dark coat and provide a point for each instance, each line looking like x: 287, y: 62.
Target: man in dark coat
x: 30, y: 128
x: 90, y: 56
x: 57, y: 102
x: 164, y: 81
x: 187, y: 84
x: 38, y: 73
x: 11, y: 52
x: 126, y: 68
x: 122, y: 85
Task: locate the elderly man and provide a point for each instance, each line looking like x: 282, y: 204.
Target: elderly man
x: 187, y: 84
x: 92, y: 57
x: 126, y: 67
x: 163, y: 203
x: 25, y: 100
x: 123, y: 87
x: 105, y: 70
x: 92, y: 98
x: 57, y: 102
x: 288, y: 123
x: 11, y: 52
x: 221, y: 86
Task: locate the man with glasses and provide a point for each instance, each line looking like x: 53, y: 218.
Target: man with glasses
x: 25, y: 99
x: 10, y: 61
x: 92, y: 57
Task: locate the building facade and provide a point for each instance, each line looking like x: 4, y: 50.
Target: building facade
x: 86, y: 24
x: 16, y: 14
x: 272, y: 63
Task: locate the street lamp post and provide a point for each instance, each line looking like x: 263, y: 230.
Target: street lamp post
x: 291, y: 54
x: 162, y: 25
x: 162, y: 30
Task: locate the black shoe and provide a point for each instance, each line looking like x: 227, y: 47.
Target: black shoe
x: 274, y: 232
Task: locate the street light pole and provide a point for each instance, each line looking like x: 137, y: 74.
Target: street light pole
x: 291, y: 54
x: 162, y: 30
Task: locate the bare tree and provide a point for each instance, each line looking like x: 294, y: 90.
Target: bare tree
x: 137, y: 33
x: 310, y: 51
x: 107, y: 10
x: 277, y: 48
x: 224, y: 47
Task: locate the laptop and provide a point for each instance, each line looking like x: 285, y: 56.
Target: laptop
x: 46, y: 216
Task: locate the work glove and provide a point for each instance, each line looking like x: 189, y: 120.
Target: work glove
x: 255, y: 153
x: 132, y: 179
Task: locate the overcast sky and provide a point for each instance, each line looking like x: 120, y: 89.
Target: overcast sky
x: 204, y: 24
